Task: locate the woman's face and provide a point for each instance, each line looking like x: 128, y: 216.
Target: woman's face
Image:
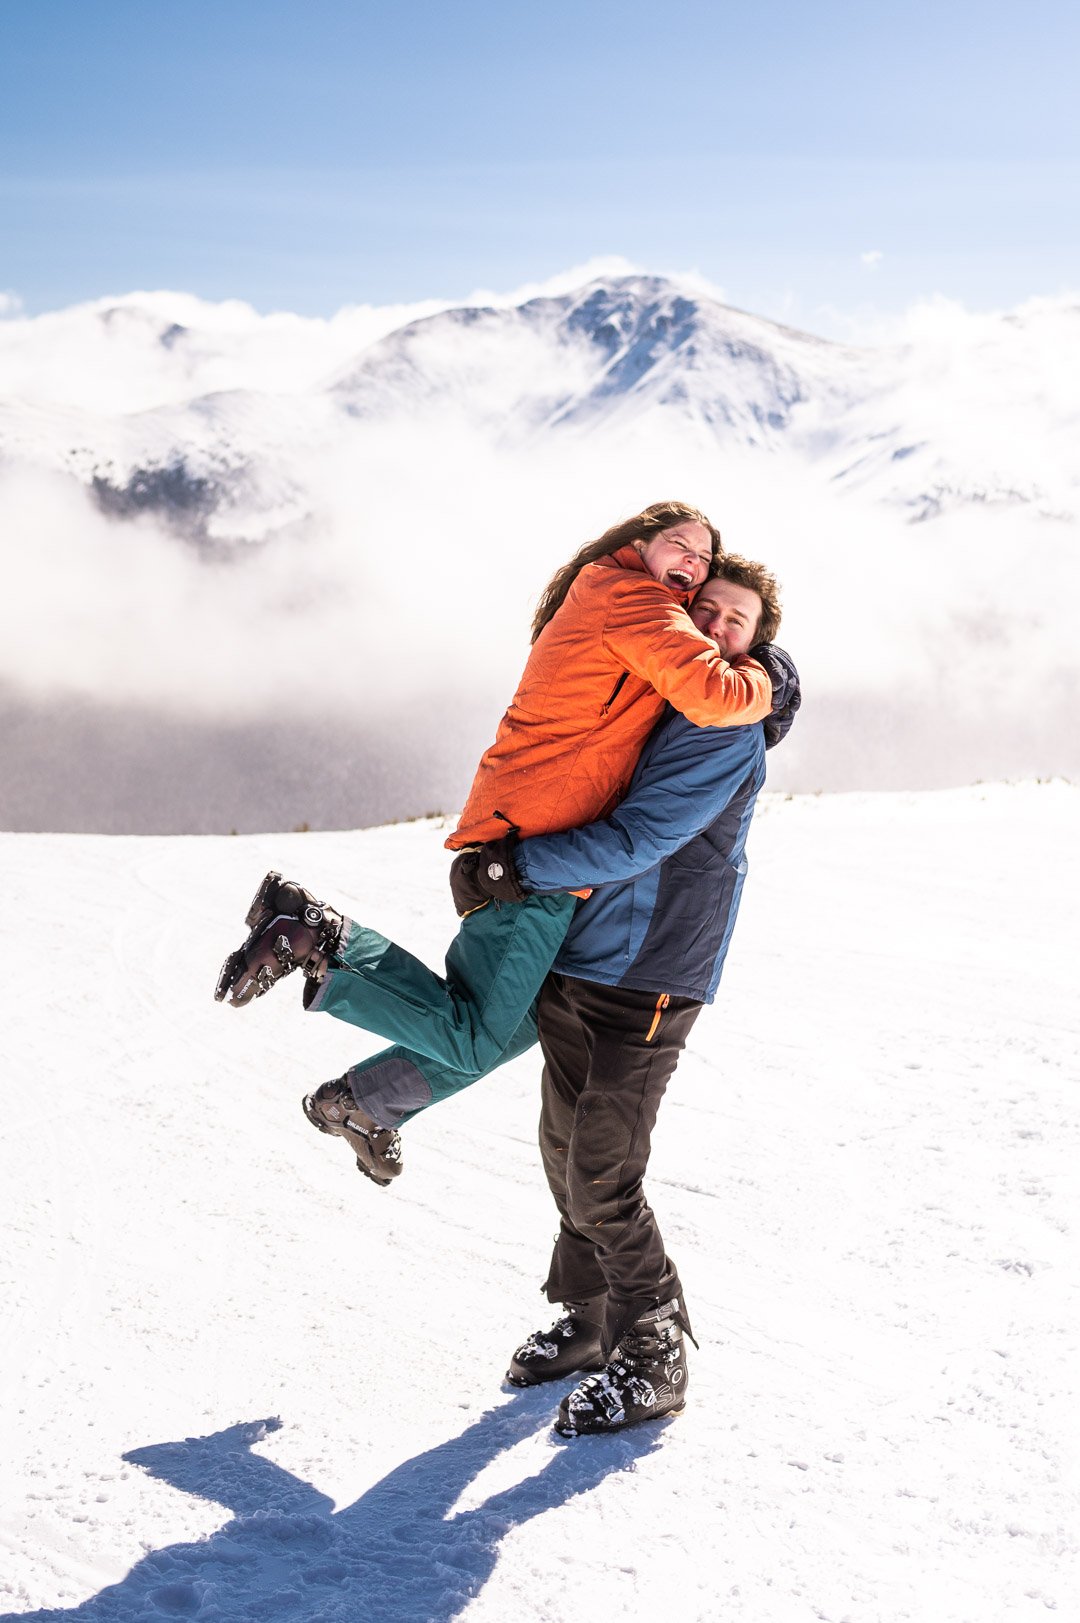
x: 679, y: 557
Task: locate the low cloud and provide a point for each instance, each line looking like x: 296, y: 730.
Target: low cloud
x: 151, y: 349
x: 937, y: 322
x: 148, y: 349
x: 872, y: 259
x: 350, y: 667
x: 354, y: 673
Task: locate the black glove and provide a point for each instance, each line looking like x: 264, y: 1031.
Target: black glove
x: 485, y: 873
x: 787, y: 695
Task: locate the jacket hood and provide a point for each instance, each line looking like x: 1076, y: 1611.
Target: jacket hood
x: 787, y: 693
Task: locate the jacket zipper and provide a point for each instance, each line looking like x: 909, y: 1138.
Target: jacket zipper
x: 614, y: 694
x: 661, y: 1004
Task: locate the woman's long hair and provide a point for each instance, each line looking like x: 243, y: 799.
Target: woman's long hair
x: 642, y: 527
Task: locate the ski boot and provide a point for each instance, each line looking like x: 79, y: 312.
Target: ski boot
x: 572, y: 1343
x: 645, y: 1380
x: 290, y: 930
x: 377, y: 1149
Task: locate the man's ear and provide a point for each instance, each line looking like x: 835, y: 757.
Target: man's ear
x: 638, y: 545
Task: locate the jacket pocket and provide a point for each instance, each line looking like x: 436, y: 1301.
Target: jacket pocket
x: 614, y: 694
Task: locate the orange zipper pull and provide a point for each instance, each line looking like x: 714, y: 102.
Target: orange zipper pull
x: 661, y: 1004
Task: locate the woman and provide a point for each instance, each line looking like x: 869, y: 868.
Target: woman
x: 612, y: 643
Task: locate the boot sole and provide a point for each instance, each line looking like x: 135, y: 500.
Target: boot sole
x: 264, y: 903
x: 259, y: 913
x: 231, y: 971
x: 523, y: 1380
x: 571, y: 1432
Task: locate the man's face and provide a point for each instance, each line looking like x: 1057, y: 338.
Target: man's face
x: 729, y: 614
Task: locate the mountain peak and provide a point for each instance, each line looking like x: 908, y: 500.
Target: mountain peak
x: 626, y: 355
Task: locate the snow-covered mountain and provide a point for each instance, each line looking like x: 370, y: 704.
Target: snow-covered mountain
x: 988, y: 417
x: 604, y: 355
x: 268, y: 572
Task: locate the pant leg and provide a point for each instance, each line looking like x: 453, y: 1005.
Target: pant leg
x: 465, y: 1020
x: 574, y: 1274
x: 629, y: 1049
x: 397, y: 1083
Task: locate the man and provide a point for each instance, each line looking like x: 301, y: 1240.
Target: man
x: 642, y: 956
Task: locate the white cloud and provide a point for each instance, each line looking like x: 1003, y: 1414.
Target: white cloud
x: 564, y: 282
x: 430, y: 540
x: 10, y: 304
x: 938, y: 319
x: 695, y: 283
x: 151, y: 348
x: 147, y: 349
x: 872, y: 259
x: 409, y: 589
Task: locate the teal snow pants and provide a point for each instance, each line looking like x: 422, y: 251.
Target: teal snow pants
x: 447, y: 1031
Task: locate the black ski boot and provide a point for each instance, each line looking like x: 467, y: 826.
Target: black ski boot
x: 572, y: 1343
x: 290, y: 930
x: 377, y: 1149
x: 645, y: 1379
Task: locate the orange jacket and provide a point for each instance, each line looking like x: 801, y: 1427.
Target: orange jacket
x: 594, y: 686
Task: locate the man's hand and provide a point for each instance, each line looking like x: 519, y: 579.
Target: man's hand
x: 787, y: 695
x: 485, y: 873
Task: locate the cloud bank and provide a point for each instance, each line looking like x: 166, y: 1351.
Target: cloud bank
x: 351, y: 669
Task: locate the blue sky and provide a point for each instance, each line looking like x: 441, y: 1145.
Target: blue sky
x: 304, y: 156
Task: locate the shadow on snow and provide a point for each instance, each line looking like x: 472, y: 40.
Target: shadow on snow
x: 394, y: 1556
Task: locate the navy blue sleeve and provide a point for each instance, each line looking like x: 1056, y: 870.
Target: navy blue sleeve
x: 685, y: 778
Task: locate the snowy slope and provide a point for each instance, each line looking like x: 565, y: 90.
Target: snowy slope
x: 242, y: 1383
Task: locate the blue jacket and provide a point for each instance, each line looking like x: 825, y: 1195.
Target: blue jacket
x: 667, y: 867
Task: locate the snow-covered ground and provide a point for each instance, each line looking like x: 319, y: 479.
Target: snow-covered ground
x: 240, y: 1382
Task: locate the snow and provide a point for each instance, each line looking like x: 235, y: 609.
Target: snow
x: 240, y: 1382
